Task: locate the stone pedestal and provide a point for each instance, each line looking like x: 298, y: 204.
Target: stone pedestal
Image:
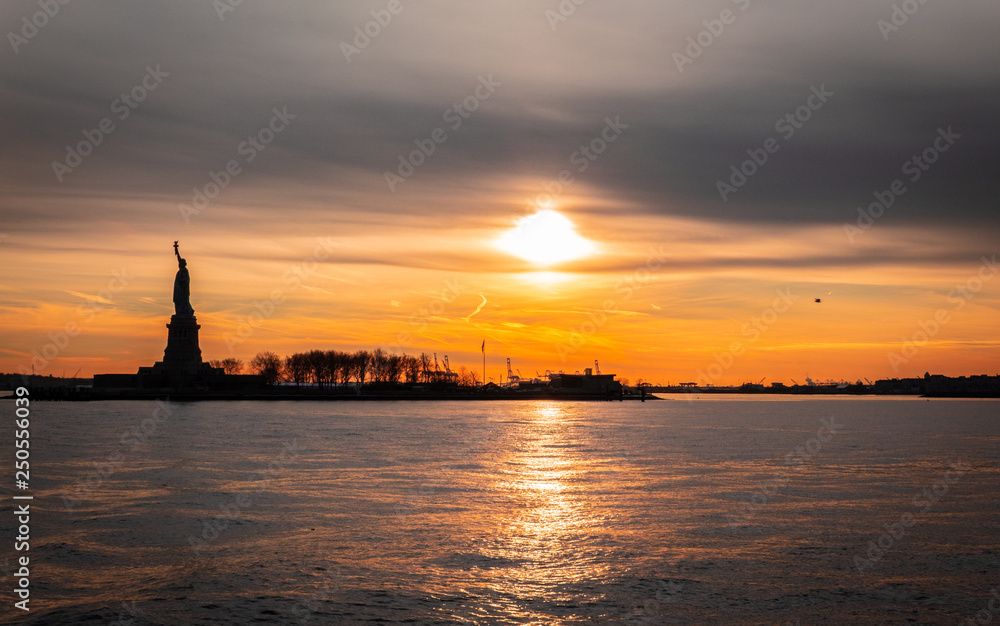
x: 183, y: 352
x: 182, y: 356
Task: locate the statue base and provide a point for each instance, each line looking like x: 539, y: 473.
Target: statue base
x: 181, y: 369
x: 182, y: 357
x: 183, y: 351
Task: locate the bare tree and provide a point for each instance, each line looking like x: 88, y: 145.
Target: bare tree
x: 328, y: 368
x: 360, y: 362
x: 411, y: 365
x: 297, y: 368
x: 268, y: 365
x: 229, y: 366
x: 334, y: 366
x: 425, y: 367
x: 317, y: 366
x: 344, y: 367
x: 393, y: 368
x: 378, y: 365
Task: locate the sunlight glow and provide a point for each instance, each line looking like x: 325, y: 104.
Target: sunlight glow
x: 545, y: 238
x: 545, y: 279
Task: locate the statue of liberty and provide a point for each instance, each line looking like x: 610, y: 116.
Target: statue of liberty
x: 182, y: 287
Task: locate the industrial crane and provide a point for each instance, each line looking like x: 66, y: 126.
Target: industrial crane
x: 511, y: 376
x: 597, y: 367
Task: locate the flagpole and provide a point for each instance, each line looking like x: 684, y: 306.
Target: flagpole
x: 484, y: 362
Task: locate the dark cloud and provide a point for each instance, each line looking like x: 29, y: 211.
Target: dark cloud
x: 354, y: 119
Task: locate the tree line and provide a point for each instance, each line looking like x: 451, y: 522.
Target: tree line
x: 329, y: 368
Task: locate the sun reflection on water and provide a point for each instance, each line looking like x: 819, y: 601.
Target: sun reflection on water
x: 546, y: 528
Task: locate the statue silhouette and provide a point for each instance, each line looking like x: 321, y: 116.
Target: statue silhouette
x: 182, y: 287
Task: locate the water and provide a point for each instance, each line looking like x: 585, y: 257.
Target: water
x: 720, y: 510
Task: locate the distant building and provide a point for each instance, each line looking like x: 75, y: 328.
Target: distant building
x: 981, y: 386
x: 586, y: 383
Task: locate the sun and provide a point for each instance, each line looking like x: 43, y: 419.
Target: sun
x: 545, y: 238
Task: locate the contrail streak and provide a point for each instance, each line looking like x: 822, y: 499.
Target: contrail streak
x: 478, y: 309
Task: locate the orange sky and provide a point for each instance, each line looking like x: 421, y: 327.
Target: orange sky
x: 411, y: 158
x: 667, y: 300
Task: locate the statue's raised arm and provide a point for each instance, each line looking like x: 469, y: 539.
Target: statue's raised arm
x: 182, y: 286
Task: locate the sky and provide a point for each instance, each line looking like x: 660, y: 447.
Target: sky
x: 664, y: 187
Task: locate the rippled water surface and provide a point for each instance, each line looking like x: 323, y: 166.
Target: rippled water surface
x: 712, y: 511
